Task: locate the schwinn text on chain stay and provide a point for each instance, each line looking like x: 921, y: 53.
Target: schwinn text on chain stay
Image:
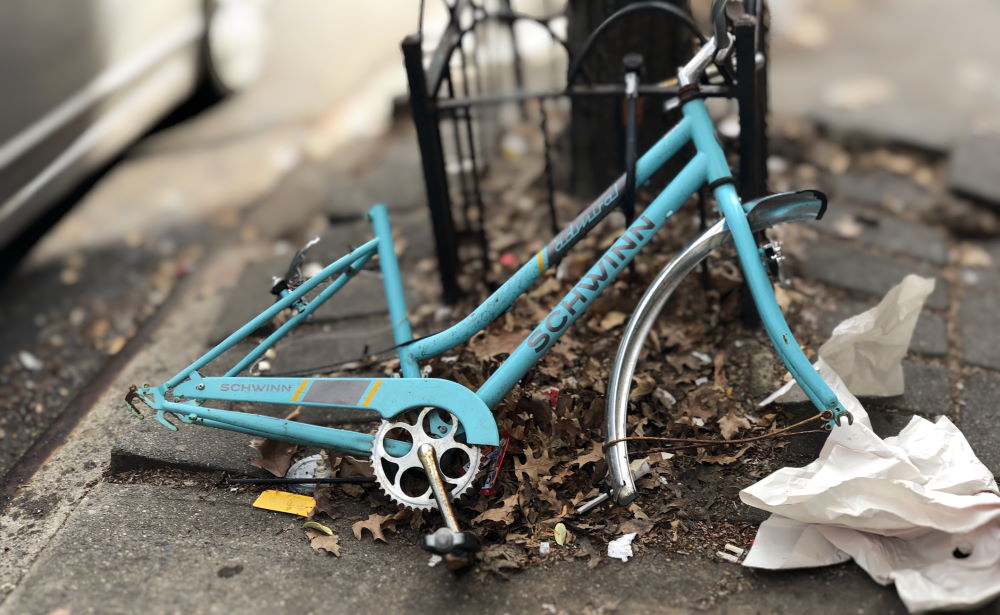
x: 591, y: 285
x: 256, y: 387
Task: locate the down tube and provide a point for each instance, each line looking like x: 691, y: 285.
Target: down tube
x: 601, y: 274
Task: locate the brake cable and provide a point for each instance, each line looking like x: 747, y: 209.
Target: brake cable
x: 688, y: 443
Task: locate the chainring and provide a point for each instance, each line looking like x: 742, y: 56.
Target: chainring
x: 402, y: 478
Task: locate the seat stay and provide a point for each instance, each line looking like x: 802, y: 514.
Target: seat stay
x: 351, y: 261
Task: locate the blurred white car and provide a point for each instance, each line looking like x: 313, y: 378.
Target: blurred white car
x: 82, y: 79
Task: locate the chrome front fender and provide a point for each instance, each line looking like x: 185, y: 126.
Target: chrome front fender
x: 761, y: 214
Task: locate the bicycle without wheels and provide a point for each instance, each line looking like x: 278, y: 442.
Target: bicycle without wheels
x: 435, y: 427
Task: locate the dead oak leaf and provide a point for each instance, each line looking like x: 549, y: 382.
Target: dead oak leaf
x: 731, y: 424
x: 725, y: 460
x: 549, y: 495
x: 533, y: 467
x: 612, y: 319
x: 351, y: 467
x: 561, y: 475
x: 639, y: 526
x: 596, y: 454
x: 275, y: 456
x: 494, y: 343
x: 322, y: 542
x: 644, y: 385
x: 373, y: 524
x: 702, y: 403
x: 546, y: 288
x: 504, y: 514
x: 500, y: 557
x: 324, y: 502
x: 684, y: 363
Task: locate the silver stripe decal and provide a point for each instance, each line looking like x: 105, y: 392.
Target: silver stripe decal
x: 340, y: 392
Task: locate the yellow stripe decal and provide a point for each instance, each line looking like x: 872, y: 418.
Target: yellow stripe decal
x: 298, y: 391
x: 371, y: 393
x: 541, y: 262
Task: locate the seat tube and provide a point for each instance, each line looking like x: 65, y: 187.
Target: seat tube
x: 393, y: 284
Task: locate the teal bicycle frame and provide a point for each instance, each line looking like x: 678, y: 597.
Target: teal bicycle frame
x: 184, y: 395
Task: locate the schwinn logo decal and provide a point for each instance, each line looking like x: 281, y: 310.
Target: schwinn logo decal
x: 256, y: 388
x: 590, y: 286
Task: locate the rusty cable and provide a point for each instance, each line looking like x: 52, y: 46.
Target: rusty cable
x: 700, y: 442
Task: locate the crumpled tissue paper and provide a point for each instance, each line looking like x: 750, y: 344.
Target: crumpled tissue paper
x: 918, y: 510
x: 621, y: 547
x: 867, y: 350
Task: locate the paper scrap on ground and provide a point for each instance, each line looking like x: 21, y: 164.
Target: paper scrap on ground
x: 621, y: 548
x: 867, y: 350
x: 918, y: 510
x: 283, y: 501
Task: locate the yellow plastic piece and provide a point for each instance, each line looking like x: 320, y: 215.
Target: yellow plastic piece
x: 283, y: 501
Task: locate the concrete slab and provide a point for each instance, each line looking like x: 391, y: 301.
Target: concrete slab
x: 978, y: 326
x: 928, y: 391
x: 980, y: 418
x: 877, y: 190
x: 885, y: 232
x: 886, y: 70
x: 385, y: 170
x: 363, y: 296
x: 349, y: 341
x: 149, y: 445
x: 992, y: 247
x: 395, y: 179
x: 930, y: 337
x: 191, y: 550
x: 856, y: 270
x: 975, y: 165
x: 38, y: 510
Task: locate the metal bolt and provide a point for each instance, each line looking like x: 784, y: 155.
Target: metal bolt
x: 200, y: 386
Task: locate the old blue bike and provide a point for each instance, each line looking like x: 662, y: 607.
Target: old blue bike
x: 437, y: 428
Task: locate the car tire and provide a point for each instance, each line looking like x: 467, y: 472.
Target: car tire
x: 235, y: 45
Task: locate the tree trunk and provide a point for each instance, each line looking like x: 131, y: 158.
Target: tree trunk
x: 596, y: 133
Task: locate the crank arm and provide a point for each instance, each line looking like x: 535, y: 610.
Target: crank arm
x: 449, y: 539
